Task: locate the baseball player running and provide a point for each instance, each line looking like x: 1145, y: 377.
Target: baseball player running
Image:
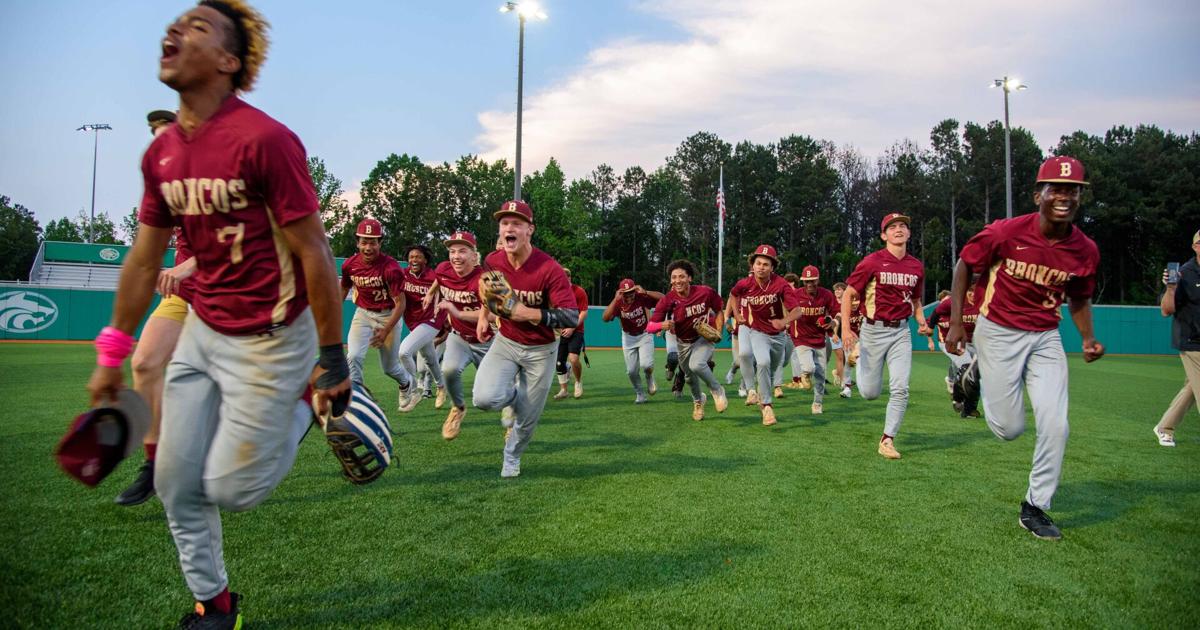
x: 423, y: 323
x: 817, y: 308
x: 531, y: 295
x: 687, y: 310
x: 572, y: 346
x: 632, y: 305
x: 157, y: 343
x: 237, y: 183
x: 771, y: 305
x: 379, y: 302
x: 458, y: 290
x: 1030, y: 264
x: 835, y: 338
x: 890, y: 282
x: 939, y: 321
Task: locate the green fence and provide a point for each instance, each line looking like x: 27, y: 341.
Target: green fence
x: 102, y: 254
x: 31, y: 312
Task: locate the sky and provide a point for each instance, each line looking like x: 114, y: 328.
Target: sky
x: 621, y: 82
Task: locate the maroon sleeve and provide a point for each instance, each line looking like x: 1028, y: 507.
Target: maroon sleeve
x: 661, y: 308
x: 580, y: 297
x: 558, y: 288
x: 715, y: 302
x: 831, y: 304
x: 1084, y: 287
x: 919, y: 290
x: 980, y: 251
x: 394, y: 279
x: 283, y: 169
x: 153, y: 210
x: 346, y: 281
x: 791, y: 297
x: 862, y: 274
x: 739, y: 288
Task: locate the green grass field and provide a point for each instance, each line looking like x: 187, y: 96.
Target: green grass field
x: 631, y: 516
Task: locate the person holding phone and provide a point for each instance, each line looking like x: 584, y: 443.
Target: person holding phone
x: 1182, y: 300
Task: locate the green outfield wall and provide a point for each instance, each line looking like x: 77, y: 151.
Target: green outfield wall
x: 32, y: 312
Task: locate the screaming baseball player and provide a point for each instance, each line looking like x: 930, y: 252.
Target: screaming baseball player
x: 1030, y: 264
x: 266, y: 295
x: 632, y: 304
x: 527, y: 290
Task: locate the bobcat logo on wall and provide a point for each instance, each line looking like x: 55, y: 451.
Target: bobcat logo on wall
x: 110, y: 254
x: 26, y: 312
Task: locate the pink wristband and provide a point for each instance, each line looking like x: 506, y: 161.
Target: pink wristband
x: 654, y: 327
x: 112, y: 346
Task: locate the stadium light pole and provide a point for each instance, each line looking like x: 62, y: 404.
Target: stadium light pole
x: 1009, y: 85
x: 96, y: 128
x: 524, y: 11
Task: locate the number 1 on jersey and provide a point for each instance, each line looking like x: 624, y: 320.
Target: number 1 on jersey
x: 238, y: 232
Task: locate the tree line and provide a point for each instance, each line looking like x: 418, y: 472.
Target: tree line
x: 817, y: 202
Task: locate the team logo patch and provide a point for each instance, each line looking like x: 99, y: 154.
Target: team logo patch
x: 26, y: 312
x: 110, y: 254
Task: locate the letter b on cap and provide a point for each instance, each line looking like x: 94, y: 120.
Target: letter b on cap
x: 1064, y: 169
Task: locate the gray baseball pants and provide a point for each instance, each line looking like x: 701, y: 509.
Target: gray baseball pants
x: 232, y: 421
x: 358, y: 341
x: 457, y: 355
x: 806, y: 360
x: 421, y: 340
x: 768, y: 352
x: 879, y: 345
x: 693, y: 360
x: 1009, y: 358
x: 746, y: 358
x: 517, y: 375
x: 639, y: 357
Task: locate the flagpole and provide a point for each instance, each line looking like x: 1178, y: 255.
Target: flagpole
x: 721, y: 230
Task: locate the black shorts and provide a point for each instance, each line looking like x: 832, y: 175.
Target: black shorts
x: 574, y: 343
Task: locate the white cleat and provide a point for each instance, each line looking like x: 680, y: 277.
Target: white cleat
x: 846, y: 393
x: 578, y: 389
x: 653, y: 389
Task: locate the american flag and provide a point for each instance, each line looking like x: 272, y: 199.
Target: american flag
x: 721, y: 202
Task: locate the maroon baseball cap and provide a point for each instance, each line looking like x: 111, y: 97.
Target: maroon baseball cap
x: 369, y: 228
x: 1061, y: 169
x: 892, y: 218
x: 626, y: 285
x: 766, y: 251
x: 810, y: 273
x: 516, y: 209
x: 100, y: 438
x: 461, y: 237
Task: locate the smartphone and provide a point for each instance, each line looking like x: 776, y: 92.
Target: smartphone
x: 1173, y: 273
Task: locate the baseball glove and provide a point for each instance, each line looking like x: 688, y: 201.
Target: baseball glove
x: 852, y: 358
x: 707, y: 330
x: 497, y: 294
x: 359, y: 436
x: 966, y: 390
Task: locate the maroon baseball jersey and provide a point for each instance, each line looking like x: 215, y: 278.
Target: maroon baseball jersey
x: 375, y: 284
x: 700, y: 302
x: 231, y: 186
x: 856, y: 316
x: 635, y: 314
x: 416, y: 287
x: 888, y: 284
x: 764, y: 303
x: 970, y: 313
x: 805, y: 331
x: 581, y: 301
x: 463, y: 292
x: 539, y: 283
x: 1027, y: 275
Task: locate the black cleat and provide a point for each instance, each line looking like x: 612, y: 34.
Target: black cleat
x: 213, y: 619
x: 141, y: 489
x: 1038, y: 523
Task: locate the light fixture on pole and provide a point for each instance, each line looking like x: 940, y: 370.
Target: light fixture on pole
x: 524, y: 10
x: 96, y: 128
x: 1009, y: 85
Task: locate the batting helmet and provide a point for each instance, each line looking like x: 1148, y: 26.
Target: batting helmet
x: 359, y: 435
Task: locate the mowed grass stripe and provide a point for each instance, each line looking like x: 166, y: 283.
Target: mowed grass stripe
x: 636, y: 516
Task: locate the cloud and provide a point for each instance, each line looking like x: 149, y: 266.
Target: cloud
x: 866, y: 73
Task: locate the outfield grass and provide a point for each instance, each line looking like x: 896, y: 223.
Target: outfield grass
x: 631, y: 516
